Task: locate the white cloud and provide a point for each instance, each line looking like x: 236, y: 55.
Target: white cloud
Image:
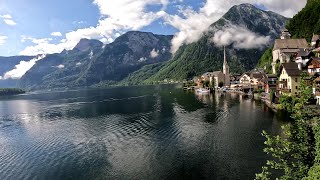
x: 91, y: 54
x: 56, y: 34
x: 142, y: 59
x: 240, y: 38
x: 61, y: 66
x: 22, y: 68
x: 7, y: 18
x: 120, y: 16
x: 10, y: 22
x: 154, y: 53
x: 116, y: 17
x: 192, y: 24
x: 3, y: 40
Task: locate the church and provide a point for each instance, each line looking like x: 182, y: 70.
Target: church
x: 219, y: 76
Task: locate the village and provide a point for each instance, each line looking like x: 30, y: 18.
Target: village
x: 293, y: 59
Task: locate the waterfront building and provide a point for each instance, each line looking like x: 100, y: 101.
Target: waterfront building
x: 303, y: 57
x: 315, y: 42
x: 313, y: 66
x: 289, y: 78
x: 218, y: 76
x: 245, y: 79
x: 285, y: 49
x: 270, y: 82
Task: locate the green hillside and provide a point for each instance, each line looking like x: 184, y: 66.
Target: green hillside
x: 306, y: 22
x: 139, y: 77
x: 266, y: 60
x: 203, y: 56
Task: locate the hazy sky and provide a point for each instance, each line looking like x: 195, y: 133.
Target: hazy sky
x: 30, y: 27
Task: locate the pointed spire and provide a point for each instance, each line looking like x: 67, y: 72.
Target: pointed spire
x: 225, y: 57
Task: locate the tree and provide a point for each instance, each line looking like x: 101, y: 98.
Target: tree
x: 212, y: 84
x: 206, y: 83
x: 272, y: 96
x: 293, y: 152
x: 220, y: 84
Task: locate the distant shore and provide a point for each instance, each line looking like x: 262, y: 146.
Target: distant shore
x: 11, y: 91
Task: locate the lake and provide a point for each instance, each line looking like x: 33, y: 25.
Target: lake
x: 150, y: 132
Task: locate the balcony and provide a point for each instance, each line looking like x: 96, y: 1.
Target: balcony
x: 283, y: 82
x: 284, y: 90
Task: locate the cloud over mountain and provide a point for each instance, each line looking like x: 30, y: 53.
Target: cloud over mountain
x: 22, y: 68
x: 118, y: 17
x: 240, y: 38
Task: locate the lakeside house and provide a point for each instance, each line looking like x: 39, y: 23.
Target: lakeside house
x: 303, y: 57
x: 270, y: 83
x: 218, y: 76
x: 315, y: 42
x: 245, y: 79
x: 289, y: 78
x: 313, y: 66
x: 213, y: 77
x: 253, y: 79
x: 286, y: 48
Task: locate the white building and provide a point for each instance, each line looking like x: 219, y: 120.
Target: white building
x: 286, y: 48
x: 314, y: 40
x: 219, y: 76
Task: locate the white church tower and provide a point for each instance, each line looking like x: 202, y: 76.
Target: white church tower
x: 226, y: 70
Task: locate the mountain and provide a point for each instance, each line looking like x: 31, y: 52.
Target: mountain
x: 90, y: 62
x: 266, y: 60
x: 140, y: 76
x: 145, y: 58
x: 204, y: 55
x: 306, y: 22
x: 8, y: 64
x: 127, y: 54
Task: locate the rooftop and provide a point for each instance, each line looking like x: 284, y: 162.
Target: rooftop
x: 292, y: 69
x: 290, y: 44
x: 315, y: 37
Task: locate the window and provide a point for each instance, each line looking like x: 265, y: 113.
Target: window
x: 296, y: 87
x: 296, y: 79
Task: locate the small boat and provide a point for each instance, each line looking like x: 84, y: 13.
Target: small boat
x: 203, y: 91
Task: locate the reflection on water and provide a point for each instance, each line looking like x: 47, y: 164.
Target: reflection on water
x: 153, y: 132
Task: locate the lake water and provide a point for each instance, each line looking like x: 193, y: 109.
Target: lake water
x: 152, y: 132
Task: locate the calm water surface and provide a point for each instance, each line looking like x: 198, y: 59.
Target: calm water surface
x: 154, y: 132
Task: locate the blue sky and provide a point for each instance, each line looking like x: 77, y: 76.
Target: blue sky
x: 27, y: 27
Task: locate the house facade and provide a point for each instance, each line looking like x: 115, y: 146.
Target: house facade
x: 285, y: 49
x: 270, y: 82
x: 245, y: 79
x: 315, y: 40
x: 213, y: 77
x: 218, y: 76
x: 314, y: 66
x: 289, y: 78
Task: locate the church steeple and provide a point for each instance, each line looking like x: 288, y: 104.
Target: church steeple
x: 225, y: 63
x: 226, y: 69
